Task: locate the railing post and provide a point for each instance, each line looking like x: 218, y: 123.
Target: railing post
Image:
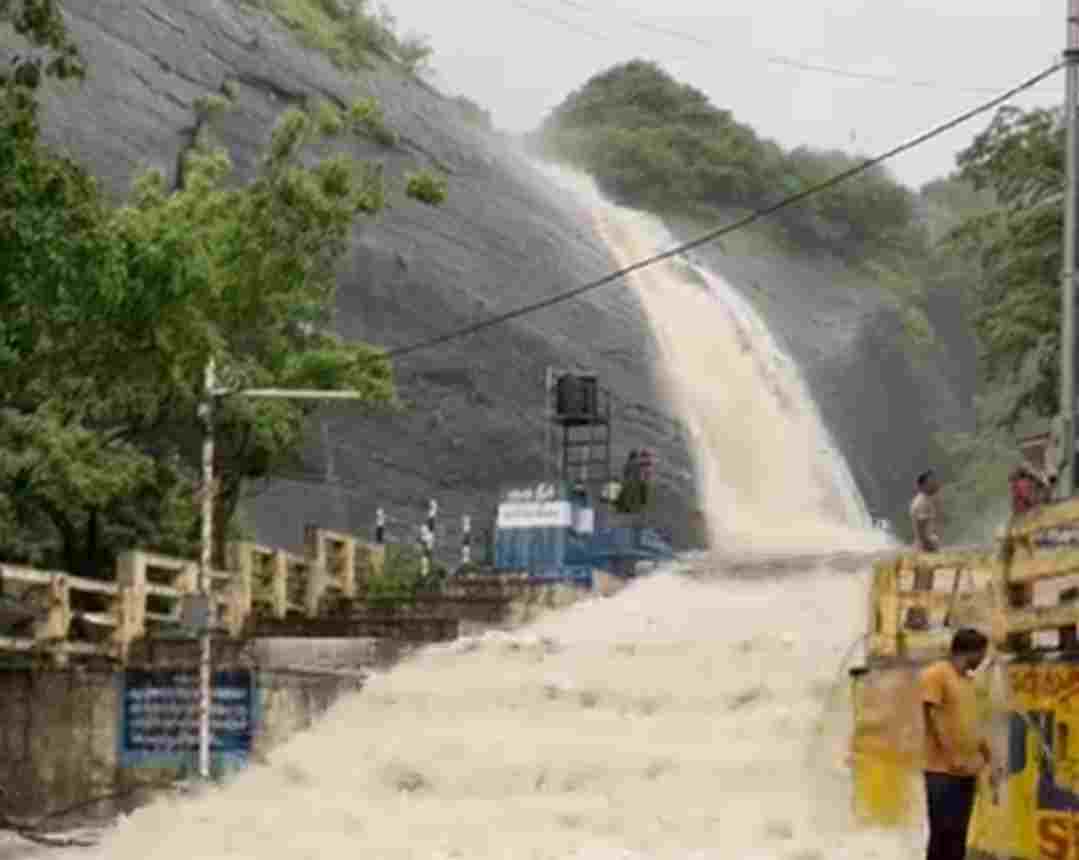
x: 125, y: 612
x: 1017, y: 595
x: 241, y: 603
x: 53, y: 631
x: 131, y: 573
x: 888, y: 601
x: 317, y: 570
x: 347, y: 568
x: 426, y: 541
x: 280, y: 584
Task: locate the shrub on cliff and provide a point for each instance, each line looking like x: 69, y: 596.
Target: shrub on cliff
x: 349, y: 32
x: 40, y: 24
x: 427, y: 187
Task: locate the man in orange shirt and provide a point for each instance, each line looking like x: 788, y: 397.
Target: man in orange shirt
x: 955, y: 752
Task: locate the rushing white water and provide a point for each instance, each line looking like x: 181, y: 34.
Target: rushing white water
x: 687, y: 717
x: 769, y: 472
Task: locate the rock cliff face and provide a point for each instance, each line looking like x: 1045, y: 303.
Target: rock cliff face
x: 474, y: 416
x: 474, y: 419
x: 882, y: 398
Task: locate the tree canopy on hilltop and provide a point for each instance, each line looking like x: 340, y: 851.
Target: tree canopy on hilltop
x: 655, y: 143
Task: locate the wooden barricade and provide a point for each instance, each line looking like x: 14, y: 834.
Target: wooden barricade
x: 1025, y: 593
x: 906, y: 621
x: 1039, y: 574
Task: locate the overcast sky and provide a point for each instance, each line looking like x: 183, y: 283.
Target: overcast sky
x: 520, y: 58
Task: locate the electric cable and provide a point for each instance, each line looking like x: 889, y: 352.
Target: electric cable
x: 771, y: 59
x: 740, y: 224
x: 557, y: 19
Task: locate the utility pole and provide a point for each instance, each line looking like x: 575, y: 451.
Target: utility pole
x: 1070, y: 265
x: 548, y: 383
x: 206, y: 549
x: 206, y: 413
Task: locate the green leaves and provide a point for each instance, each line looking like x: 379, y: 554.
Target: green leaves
x: 427, y: 188
x: 41, y: 24
x: 365, y: 116
x: 658, y: 144
x: 1016, y: 247
x: 349, y: 32
x: 109, y: 315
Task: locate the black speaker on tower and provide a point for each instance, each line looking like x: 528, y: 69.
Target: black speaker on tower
x: 577, y: 399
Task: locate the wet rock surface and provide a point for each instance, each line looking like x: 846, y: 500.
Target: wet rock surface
x: 881, y: 400
x: 474, y: 418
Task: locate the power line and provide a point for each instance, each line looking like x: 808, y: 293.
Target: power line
x: 557, y: 19
x: 772, y: 59
x: 712, y: 235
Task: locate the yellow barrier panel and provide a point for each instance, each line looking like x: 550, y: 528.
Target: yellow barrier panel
x: 885, y: 791
x: 1032, y: 722
x: 886, y: 750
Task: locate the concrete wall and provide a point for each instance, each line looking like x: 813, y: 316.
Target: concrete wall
x: 59, y: 734
x: 58, y: 738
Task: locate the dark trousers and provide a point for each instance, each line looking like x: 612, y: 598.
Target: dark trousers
x: 951, y: 801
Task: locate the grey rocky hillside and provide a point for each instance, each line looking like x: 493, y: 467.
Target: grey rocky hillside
x: 474, y: 413
x: 883, y: 398
x: 473, y: 417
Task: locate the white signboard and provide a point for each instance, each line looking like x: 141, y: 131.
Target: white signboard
x: 585, y: 521
x: 535, y: 515
x: 538, y: 493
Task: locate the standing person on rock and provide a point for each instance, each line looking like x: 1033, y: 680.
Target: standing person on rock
x: 955, y: 750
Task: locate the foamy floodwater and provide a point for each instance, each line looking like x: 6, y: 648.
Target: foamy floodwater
x: 679, y: 719
x: 687, y: 717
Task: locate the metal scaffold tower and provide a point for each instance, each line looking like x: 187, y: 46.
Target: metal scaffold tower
x: 580, y: 410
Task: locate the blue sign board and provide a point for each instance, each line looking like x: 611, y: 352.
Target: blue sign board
x: 550, y: 531
x: 159, y: 723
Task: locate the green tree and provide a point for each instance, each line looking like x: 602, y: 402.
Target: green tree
x: 110, y: 314
x: 1016, y: 249
x: 658, y: 144
x: 40, y: 24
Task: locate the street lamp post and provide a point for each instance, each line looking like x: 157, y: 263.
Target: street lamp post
x: 207, y: 407
x: 206, y: 548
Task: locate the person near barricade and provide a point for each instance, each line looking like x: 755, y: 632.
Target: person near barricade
x: 924, y: 514
x: 1027, y: 490
x: 956, y: 751
x: 923, y: 517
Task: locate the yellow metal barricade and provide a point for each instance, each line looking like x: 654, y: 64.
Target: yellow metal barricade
x: 886, y: 749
